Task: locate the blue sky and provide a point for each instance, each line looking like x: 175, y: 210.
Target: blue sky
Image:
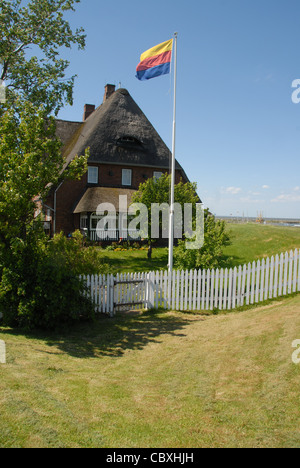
x: 238, y: 131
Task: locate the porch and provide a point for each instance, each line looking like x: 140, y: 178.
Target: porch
x: 109, y: 235
x: 111, y: 225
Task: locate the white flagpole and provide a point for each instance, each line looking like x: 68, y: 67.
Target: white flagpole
x: 171, y: 219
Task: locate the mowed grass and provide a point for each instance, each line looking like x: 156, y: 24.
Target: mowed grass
x: 156, y: 380
x: 133, y: 261
x: 255, y: 241
x: 248, y: 242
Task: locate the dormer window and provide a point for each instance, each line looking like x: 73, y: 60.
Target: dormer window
x: 128, y: 141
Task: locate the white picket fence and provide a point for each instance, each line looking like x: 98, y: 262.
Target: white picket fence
x: 222, y: 289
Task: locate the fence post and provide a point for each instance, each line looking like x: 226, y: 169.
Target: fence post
x: 271, y: 280
x: 285, y: 276
x: 295, y: 271
x: 199, y: 289
x: 221, y: 289
x: 262, y: 278
x: 150, y: 290
x: 182, y: 290
x: 299, y: 271
x: 111, y: 283
x: 229, y: 289
x: 242, y: 297
x: 225, y: 294
x: 177, y: 290
x: 212, y: 289
x: 257, y: 281
x: 234, y: 292
x: 267, y: 278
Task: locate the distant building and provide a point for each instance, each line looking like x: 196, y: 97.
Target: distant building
x: 125, y: 150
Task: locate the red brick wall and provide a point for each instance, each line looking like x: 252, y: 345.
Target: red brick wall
x: 111, y: 176
x: 69, y: 194
x: 66, y: 199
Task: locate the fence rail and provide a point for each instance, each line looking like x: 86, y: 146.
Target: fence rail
x: 222, y: 289
x: 96, y: 235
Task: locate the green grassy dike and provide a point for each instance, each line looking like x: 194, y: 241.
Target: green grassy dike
x: 248, y: 242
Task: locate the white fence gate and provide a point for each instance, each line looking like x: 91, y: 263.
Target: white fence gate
x: 221, y: 289
x: 108, y: 292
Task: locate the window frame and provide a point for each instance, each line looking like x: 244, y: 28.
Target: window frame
x: 127, y: 172
x: 83, y: 221
x: 93, y: 175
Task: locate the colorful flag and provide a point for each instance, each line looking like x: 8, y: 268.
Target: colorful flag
x: 155, y: 61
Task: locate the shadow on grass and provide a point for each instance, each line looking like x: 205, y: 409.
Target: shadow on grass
x: 229, y: 261
x: 111, y: 336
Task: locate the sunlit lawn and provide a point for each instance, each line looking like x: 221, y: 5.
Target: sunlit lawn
x: 254, y: 241
x: 164, y: 379
x: 249, y: 242
x: 156, y: 380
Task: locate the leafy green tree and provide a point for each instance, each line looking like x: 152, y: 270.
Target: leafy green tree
x: 158, y: 191
x: 215, y: 235
x: 37, y: 288
x: 210, y: 254
x: 30, y: 154
x: 30, y: 162
x: 33, y: 287
x: 32, y: 38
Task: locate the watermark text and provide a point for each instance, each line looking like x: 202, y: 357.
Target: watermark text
x: 296, y: 93
x: 138, y: 222
x: 296, y: 354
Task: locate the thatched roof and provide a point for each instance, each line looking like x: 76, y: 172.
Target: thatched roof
x: 65, y: 129
x: 96, y: 195
x: 117, y: 132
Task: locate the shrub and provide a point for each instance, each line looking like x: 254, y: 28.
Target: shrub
x: 40, y: 290
x: 76, y: 254
x: 210, y: 254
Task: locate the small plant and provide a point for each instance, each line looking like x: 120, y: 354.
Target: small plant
x: 111, y: 247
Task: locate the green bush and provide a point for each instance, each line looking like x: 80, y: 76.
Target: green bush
x: 210, y: 254
x: 39, y: 289
x: 76, y: 254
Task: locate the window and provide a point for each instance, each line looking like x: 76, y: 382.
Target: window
x: 104, y: 223
x: 48, y: 215
x: 83, y: 221
x: 130, y: 142
x: 126, y: 176
x: 157, y: 175
x: 92, y: 175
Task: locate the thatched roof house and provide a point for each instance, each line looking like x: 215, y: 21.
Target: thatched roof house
x: 125, y: 150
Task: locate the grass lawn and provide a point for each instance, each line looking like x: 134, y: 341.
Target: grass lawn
x: 254, y: 241
x: 156, y: 380
x: 249, y: 242
x: 134, y: 260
